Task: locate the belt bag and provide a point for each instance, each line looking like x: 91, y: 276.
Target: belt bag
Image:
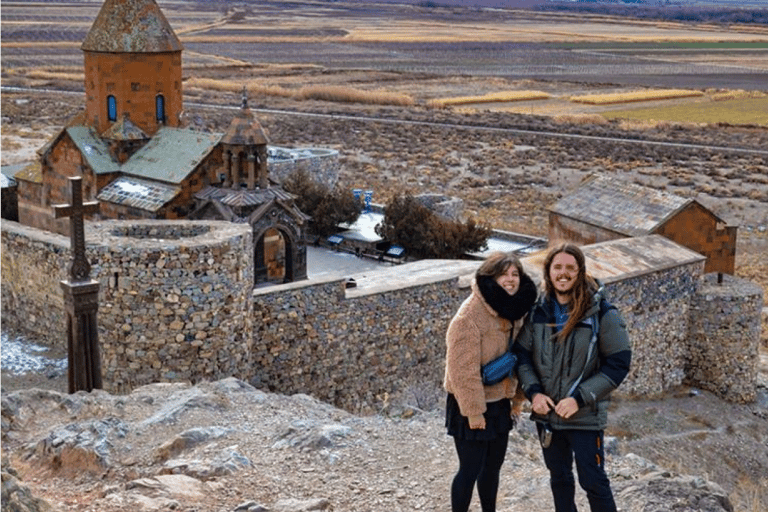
x: 499, y: 369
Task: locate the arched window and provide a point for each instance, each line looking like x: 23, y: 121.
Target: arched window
x: 111, y: 108
x: 160, y: 108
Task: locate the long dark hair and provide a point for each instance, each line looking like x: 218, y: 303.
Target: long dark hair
x: 582, y: 291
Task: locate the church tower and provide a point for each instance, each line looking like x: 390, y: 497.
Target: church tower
x: 132, y: 67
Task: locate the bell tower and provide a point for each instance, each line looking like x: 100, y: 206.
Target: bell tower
x: 132, y: 65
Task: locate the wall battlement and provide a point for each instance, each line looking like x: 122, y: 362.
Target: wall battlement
x: 177, y: 303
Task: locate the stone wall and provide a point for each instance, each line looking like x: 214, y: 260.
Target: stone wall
x: 174, y: 298
x: 351, y: 348
x: 724, y: 338
x: 177, y: 303
x: 320, y: 163
x: 33, y: 263
x: 656, y: 308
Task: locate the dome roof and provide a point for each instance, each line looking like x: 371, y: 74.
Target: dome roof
x: 131, y: 26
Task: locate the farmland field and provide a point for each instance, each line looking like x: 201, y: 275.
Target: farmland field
x: 282, y: 51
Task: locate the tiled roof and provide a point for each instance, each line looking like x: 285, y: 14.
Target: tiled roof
x: 623, y: 207
x: 124, y: 129
x: 32, y: 172
x: 171, y: 155
x: 131, y: 26
x: 138, y: 193
x: 244, y: 197
x: 615, y: 260
x: 245, y: 130
x: 95, y: 150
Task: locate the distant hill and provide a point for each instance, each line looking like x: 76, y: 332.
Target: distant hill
x: 695, y: 11
x: 512, y: 4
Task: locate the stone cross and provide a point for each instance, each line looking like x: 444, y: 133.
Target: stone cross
x: 81, y: 298
x: 80, y: 269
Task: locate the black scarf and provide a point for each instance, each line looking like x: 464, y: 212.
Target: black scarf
x: 511, y: 307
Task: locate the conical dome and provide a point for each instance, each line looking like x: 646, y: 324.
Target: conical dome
x: 131, y: 26
x: 245, y: 129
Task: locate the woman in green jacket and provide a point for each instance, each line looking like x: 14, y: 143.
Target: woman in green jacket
x: 573, y: 352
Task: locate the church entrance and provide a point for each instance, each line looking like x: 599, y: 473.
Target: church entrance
x: 272, y: 258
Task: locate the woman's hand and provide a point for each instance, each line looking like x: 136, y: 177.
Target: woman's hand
x: 567, y: 407
x: 542, y: 404
x: 477, y: 422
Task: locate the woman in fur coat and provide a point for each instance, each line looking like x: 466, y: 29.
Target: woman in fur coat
x: 478, y: 416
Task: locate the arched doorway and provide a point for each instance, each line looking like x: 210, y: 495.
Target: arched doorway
x: 273, y: 258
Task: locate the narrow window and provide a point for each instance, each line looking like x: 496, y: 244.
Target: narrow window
x: 160, y: 109
x: 111, y: 108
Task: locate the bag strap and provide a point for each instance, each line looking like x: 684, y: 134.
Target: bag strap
x: 594, y: 322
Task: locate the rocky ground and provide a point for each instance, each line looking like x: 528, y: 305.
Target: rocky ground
x: 225, y: 446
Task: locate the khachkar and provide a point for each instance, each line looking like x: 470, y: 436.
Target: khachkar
x: 81, y: 298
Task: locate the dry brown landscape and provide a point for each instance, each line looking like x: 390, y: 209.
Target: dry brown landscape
x: 361, y: 79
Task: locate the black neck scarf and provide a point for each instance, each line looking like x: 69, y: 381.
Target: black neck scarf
x: 511, y: 307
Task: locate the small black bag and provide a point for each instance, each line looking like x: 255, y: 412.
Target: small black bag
x: 499, y: 369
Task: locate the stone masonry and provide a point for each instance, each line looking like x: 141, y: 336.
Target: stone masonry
x: 178, y: 305
x: 724, y: 339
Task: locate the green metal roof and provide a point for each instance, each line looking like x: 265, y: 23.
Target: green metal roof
x: 95, y: 151
x: 171, y: 155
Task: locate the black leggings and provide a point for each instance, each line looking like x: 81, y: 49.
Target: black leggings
x: 479, y: 461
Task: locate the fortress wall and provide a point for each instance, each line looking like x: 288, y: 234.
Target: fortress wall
x: 656, y: 307
x: 724, y: 339
x: 179, y: 305
x: 351, y: 351
x: 174, y: 298
x: 322, y: 164
x: 33, y: 264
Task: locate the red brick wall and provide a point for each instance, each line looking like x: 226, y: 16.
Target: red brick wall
x: 698, y: 229
x: 134, y: 79
x: 36, y: 201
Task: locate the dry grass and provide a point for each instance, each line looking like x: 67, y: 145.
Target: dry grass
x: 738, y: 94
x: 577, y: 119
x: 634, y: 96
x: 332, y: 93
x: 343, y: 94
x: 42, y: 44
x: 52, y: 75
x: 493, y: 97
x: 750, y: 496
x: 253, y: 88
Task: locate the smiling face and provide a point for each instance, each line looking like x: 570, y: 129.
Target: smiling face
x: 509, y: 280
x: 563, y: 273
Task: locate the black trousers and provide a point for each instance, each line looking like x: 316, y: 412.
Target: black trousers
x: 479, y: 462
x: 586, y: 448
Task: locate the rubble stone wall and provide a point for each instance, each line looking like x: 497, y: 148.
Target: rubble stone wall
x: 656, y: 308
x: 177, y: 303
x: 33, y: 264
x: 352, y: 351
x: 174, y: 298
x: 724, y: 337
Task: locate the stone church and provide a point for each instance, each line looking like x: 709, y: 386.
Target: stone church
x: 137, y: 159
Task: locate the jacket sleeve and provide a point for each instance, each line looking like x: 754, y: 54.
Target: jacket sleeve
x: 615, y: 356
x: 526, y: 374
x: 463, y: 360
